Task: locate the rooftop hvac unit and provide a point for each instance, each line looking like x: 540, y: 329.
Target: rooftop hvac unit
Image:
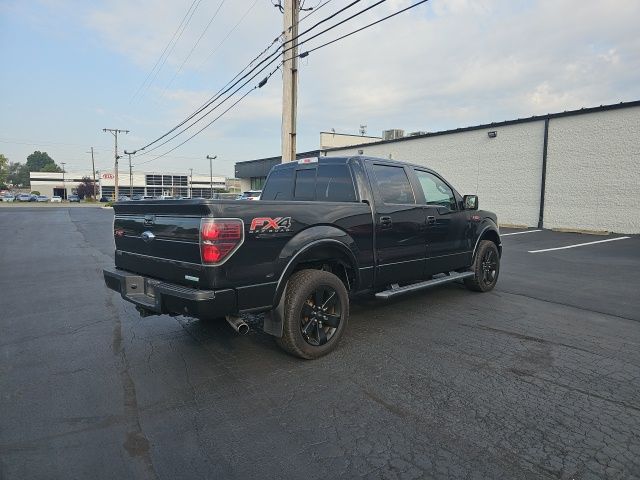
x: 392, y: 134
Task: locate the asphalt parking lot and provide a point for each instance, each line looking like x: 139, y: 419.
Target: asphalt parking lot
x: 538, y: 379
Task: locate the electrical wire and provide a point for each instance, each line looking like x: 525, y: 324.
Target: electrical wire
x: 229, y: 33
x: 314, y: 10
x: 260, y: 85
x: 163, y: 51
x: 271, y: 60
x: 195, y: 45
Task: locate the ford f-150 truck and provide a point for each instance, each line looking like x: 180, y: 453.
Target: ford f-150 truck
x: 324, y: 230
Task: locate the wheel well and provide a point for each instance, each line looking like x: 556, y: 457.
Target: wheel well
x: 494, y: 237
x: 331, y: 259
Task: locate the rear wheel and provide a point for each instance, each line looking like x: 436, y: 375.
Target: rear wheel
x: 485, y: 268
x: 316, y: 313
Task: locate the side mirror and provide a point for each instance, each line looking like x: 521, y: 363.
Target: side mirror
x: 470, y: 202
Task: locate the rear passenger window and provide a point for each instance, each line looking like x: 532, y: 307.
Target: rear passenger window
x: 393, y: 184
x: 278, y: 185
x: 334, y: 184
x: 305, y: 184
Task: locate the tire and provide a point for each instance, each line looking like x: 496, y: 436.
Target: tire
x: 316, y: 312
x: 485, y: 268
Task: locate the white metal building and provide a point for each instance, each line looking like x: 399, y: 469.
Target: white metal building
x: 142, y: 183
x: 576, y: 170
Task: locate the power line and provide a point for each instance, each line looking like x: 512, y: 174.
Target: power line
x: 260, y: 85
x: 271, y: 60
x: 195, y: 45
x: 304, y: 54
x: 314, y: 10
x: 229, y: 33
x: 170, y: 47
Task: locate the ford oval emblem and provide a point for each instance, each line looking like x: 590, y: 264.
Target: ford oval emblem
x: 148, y: 236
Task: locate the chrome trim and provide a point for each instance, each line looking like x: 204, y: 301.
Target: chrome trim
x: 161, y: 239
x: 404, y: 261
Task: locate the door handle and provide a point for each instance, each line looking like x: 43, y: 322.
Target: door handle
x: 431, y: 220
x: 385, y: 222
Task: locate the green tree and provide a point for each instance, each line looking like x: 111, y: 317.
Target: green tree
x: 18, y: 175
x: 37, y: 161
x: 4, y: 170
x: 51, y: 167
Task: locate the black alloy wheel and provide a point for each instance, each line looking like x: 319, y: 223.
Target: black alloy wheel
x: 315, y: 313
x: 320, y: 316
x: 489, y: 267
x: 485, y: 267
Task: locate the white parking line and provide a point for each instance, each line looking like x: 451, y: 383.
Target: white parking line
x: 519, y: 233
x: 577, y: 245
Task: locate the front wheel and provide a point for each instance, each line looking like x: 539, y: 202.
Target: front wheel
x: 485, y: 268
x: 316, y: 311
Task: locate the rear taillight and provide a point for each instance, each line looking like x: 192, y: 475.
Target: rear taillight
x: 219, y: 238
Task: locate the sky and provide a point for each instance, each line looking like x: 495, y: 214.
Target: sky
x: 74, y: 67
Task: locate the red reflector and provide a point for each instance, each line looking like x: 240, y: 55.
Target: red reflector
x: 219, y: 238
x: 214, y: 253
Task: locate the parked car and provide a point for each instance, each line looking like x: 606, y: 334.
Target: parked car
x: 104, y: 199
x: 323, y: 232
x: 23, y: 197
x: 123, y: 198
x: 74, y: 198
x: 8, y: 197
x: 33, y: 197
x: 42, y: 198
x: 250, y: 195
x: 56, y: 199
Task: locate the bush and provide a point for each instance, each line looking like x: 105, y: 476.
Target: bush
x: 35, y: 192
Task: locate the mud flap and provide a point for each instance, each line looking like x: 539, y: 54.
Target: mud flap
x: 273, y: 319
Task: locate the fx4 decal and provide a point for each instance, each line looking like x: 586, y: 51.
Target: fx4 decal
x: 270, y: 225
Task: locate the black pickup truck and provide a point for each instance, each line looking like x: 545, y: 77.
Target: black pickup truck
x: 324, y: 230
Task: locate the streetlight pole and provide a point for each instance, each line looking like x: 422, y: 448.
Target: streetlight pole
x: 64, y: 188
x: 211, y: 159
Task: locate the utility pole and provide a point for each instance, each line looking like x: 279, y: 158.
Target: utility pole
x: 290, y: 80
x: 191, y: 183
x: 211, y: 159
x: 130, y: 173
x: 64, y: 188
x: 93, y: 170
x: 115, y: 132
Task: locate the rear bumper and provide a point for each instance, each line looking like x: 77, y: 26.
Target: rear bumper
x: 155, y: 297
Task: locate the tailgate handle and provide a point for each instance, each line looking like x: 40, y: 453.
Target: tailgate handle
x: 385, y: 222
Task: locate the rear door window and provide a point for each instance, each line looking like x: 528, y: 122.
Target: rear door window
x: 393, y: 184
x: 279, y: 185
x: 334, y: 184
x: 305, y: 184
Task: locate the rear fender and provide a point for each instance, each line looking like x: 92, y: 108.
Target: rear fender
x: 297, y: 250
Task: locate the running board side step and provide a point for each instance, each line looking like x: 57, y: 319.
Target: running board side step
x: 395, y: 290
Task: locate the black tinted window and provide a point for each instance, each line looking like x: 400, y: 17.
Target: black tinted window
x: 334, y: 184
x: 393, y: 184
x: 305, y: 183
x: 278, y: 186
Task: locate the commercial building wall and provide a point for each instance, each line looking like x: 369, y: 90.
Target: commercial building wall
x: 593, y: 172
x: 505, y: 171
x: 592, y: 175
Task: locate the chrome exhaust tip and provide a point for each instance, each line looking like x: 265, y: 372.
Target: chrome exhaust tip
x: 237, y: 324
